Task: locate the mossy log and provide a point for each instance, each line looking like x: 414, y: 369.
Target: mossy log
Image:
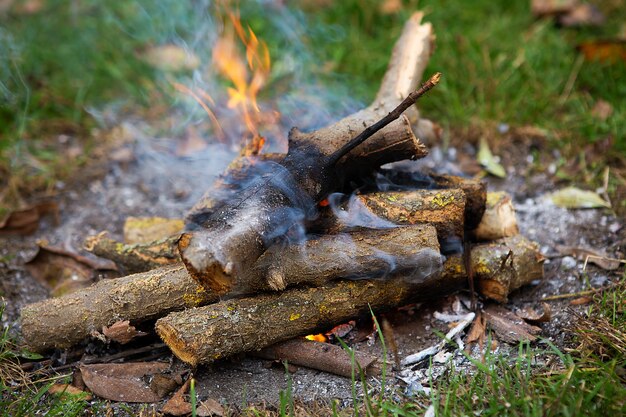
x: 444, y: 209
x: 139, y: 257
x: 475, y: 190
x: 64, y: 321
x: 205, y: 334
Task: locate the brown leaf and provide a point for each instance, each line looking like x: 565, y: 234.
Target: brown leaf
x: 602, y: 110
x: 163, y: 384
x: 64, y: 271
x: 581, y: 301
x: 209, y: 408
x: 123, y: 381
x: 476, y: 333
x: 150, y: 229
x: 533, y: 317
x: 608, y: 50
x: 509, y: 327
x: 390, y: 6
x: 121, y: 332
x: 64, y: 390
x: 541, y: 8
x: 591, y: 256
x: 583, y: 15
x: 178, y: 405
x: 26, y: 221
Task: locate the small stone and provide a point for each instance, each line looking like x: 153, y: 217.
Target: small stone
x: 568, y: 263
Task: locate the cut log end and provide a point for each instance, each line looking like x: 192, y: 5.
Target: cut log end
x: 170, y: 336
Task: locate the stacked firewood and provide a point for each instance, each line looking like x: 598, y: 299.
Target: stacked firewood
x: 288, y: 245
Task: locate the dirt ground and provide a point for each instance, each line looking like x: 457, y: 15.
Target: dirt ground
x: 155, y: 182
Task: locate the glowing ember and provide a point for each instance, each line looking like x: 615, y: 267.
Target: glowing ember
x: 316, y: 337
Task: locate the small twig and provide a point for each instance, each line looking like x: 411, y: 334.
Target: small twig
x: 393, y: 115
x: 583, y: 293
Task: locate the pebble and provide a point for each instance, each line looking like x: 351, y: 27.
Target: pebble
x: 568, y: 263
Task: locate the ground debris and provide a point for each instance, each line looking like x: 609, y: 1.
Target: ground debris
x: 65, y: 271
x: 26, y: 221
x: 509, y: 327
x: 123, y: 381
x: 121, y: 332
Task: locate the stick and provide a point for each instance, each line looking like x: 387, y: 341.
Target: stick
x: 393, y: 115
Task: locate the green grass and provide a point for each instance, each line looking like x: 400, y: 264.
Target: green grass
x: 499, y: 63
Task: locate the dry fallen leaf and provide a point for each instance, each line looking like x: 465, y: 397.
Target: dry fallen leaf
x: 64, y: 390
x: 476, y: 333
x: 123, y: 381
x: 575, y: 198
x: 150, y: 229
x: 121, y: 332
x: 64, y: 271
x: 583, y: 15
x: 178, y: 405
x: 26, y: 221
x: 534, y: 317
x: 608, y: 50
x: 602, y: 110
x: 591, y: 256
x: 540, y: 8
x: 209, y: 408
x: 508, y: 327
x: 171, y: 58
x: 489, y: 161
x: 390, y: 6
x: 581, y: 301
x: 163, y: 384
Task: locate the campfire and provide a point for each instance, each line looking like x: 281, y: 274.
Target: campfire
x: 286, y: 245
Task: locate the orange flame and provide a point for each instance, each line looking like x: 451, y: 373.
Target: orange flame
x: 248, y: 79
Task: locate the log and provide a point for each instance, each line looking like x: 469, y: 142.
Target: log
x: 444, y: 209
x: 475, y: 190
x: 64, y: 321
x: 322, y: 356
x: 205, y: 334
x: 358, y: 254
x: 499, y: 218
x: 226, y: 243
x: 134, y: 258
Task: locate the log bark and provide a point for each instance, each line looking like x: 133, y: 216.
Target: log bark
x: 134, y: 258
x: 444, y: 209
x: 475, y: 190
x: 205, y: 334
x: 64, y: 321
x: 359, y: 254
x: 498, y: 220
x: 229, y: 240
